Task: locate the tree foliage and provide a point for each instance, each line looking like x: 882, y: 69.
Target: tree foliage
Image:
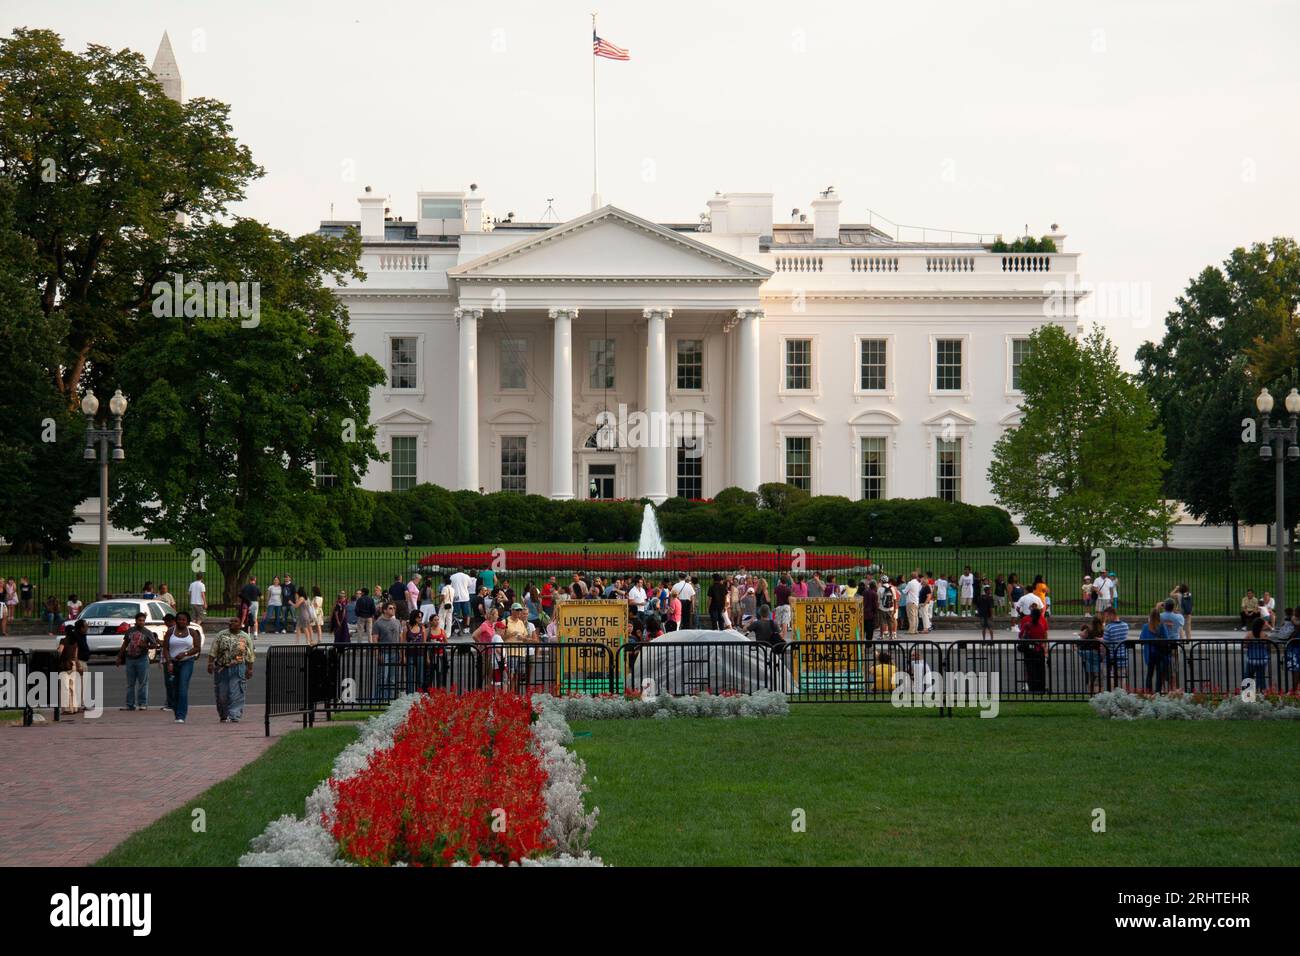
x: 230, y: 420
x: 1234, y: 330
x: 1085, y: 465
x: 108, y: 187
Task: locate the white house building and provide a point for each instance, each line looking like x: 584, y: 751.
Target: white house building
x: 824, y: 354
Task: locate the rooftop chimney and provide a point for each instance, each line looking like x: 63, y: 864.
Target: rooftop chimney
x: 826, y: 216
x: 718, y: 214
x: 473, y: 204
x: 1057, y: 237
x: 372, y: 214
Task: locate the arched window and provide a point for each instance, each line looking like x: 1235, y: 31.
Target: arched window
x: 604, y: 438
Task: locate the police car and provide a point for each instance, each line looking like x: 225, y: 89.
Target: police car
x: 108, y: 620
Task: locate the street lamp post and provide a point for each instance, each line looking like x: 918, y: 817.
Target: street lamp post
x: 1274, y: 440
x: 102, y: 437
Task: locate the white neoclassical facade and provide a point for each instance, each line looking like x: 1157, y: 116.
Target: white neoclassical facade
x: 520, y: 356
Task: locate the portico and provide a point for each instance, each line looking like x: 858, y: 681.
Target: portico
x: 591, y: 295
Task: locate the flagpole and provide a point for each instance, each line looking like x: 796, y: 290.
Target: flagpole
x: 595, y: 161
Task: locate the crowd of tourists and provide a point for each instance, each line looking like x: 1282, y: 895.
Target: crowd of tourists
x: 486, y: 608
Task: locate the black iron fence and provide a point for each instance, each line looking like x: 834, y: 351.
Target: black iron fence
x: 1217, y: 578
x: 330, y: 678
x: 17, y: 667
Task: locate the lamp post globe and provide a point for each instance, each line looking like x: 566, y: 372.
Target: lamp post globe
x: 89, y: 405
x: 1293, y: 402
x: 1264, y: 401
x: 117, y: 404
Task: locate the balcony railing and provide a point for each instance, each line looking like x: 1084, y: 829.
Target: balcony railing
x: 921, y: 262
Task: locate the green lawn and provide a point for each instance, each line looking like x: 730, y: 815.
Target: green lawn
x: 880, y: 787
x: 240, y: 807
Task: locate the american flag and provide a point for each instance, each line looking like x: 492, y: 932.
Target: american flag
x: 606, y: 49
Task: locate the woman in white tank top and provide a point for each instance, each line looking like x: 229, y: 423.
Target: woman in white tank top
x: 180, y: 650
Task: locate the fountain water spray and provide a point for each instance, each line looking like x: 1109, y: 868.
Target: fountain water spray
x: 651, y: 544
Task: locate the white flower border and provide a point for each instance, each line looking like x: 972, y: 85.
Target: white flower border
x: 1119, y: 704
x: 307, y: 841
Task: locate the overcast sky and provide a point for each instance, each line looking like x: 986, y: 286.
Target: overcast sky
x: 1159, y: 135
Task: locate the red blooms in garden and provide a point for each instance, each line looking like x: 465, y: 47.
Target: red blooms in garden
x: 459, y: 783
x: 768, y: 560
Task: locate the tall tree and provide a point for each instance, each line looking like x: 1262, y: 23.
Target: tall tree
x: 113, y: 184
x: 43, y: 476
x: 1085, y: 466
x: 1233, y: 330
x: 108, y: 187
x: 232, y: 419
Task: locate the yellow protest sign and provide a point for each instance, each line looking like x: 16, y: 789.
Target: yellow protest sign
x: 589, y: 622
x: 819, y: 623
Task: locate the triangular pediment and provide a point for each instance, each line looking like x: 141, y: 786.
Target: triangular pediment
x: 800, y: 416
x: 614, y: 245
x: 403, y: 416
x: 949, y: 416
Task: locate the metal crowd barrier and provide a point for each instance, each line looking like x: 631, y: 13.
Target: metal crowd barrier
x: 337, y: 678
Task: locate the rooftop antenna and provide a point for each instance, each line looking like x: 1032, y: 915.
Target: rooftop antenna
x: 550, y: 215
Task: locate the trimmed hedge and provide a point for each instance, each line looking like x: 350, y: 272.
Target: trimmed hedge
x: 777, y: 514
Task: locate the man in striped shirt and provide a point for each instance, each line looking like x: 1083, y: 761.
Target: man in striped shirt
x: 1115, y: 634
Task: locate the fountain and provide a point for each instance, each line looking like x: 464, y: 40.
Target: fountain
x: 651, y: 544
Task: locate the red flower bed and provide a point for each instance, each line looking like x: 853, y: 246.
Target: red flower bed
x: 672, y: 561
x: 458, y: 784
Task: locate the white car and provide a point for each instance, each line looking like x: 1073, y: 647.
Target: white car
x: 107, y: 621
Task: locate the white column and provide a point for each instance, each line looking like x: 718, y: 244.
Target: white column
x: 562, y: 403
x: 654, y: 456
x: 745, y: 470
x: 467, y: 406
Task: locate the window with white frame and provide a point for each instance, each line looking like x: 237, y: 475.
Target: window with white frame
x: 513, y: 361
x: 1019, y: 355
x: 798, y: 365
x: 947, y: 365
x: 403, y: 462
x: 871, y: 365
x: 690, y: 365
x: 872, y: 461
x: 798, y: 461
x: 602, y: 363
x: 403, y: 367
x: 690, y: 468
x: 324, y: 477
x: 514, y: 463
x: 948, y: 469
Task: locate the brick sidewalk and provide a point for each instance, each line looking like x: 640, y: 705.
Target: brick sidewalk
x: 71, y: 791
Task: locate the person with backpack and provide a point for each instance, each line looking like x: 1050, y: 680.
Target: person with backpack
x: 137, y: 642
x: 887, y: 609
